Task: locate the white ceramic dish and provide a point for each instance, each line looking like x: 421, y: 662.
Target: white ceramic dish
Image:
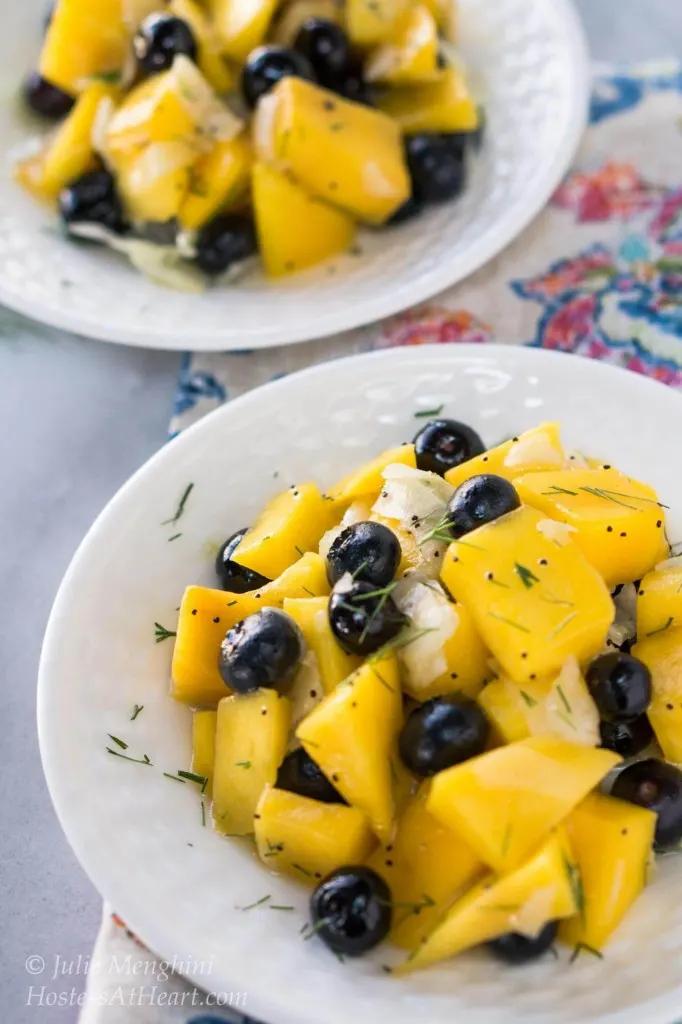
x: 530, y: 62
x: 139, y: 835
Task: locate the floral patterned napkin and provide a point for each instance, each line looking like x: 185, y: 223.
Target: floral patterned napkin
x: 599, y: 273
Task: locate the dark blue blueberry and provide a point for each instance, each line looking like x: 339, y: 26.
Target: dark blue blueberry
x: 325, y: 45
x: 233, y: 576
x: 657, y: 786
x: 620, y: 686
x: 160, y: 39
x: 627, y: 738
x: 93, y: 199
x: 227, y: 239
x: 263, y: 650
x: 478, y: 501
x: 368, y: 551
x: 442, y: 732
x: 267, y: 65
x: 351, y: 910
x: 361, y: 619
x: 514, y: 948
x: 46, y: 99
x: 411, y: 208
x: 443, y: 444
x: 298, y: 773
x: 437, y: 169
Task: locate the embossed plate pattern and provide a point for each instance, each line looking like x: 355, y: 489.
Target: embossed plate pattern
x: 139, y: 835
x: 530, y: 63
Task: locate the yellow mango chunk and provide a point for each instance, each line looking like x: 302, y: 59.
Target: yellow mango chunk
x: 659, y: 600
x: 425, y: 865
x: 662, y: 654
x: 534, y: 601
x: 88, y: 38
x: 292, y: 18
x: 536, y: 449
x: 219, y: 180
x: 215, y: 68
x: 445, y: 105
x: 289, y: 526
x: 69, y: 152
x: 541, y: 890
x: 312, y: 616
x: 411, y: 54
x: 204, y: 724
x: 177, y: 106
x: 504, y: 706
x: 368, y: 480
x: 618, y: 522
x: 342, y: 152
x: 206, y: 615
x: 307, y: 838
x: 611, y: 841
x: 369, y: 23
x: 241, y: 24
x: 154, y: 184
x: 250, y: 744
x: 506, y: 801
x: 295, y: 230
x: 445, y: 13
x: 351, y: 735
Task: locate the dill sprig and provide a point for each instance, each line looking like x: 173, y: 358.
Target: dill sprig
x: 530, y: 701
x: 509, y: 622
x: 181, y: 507
x: 576, y: 883
x: 161, y: 633
x: 117, y: 741
x: 429, y: 412
x: 564, y: 699
x: 588, y: 949
x: 562, y: 625
x: 527, y: 576
x: 257, y: 903
x: 136, y: 711
x: 555, y: 489
x: 136, y: 760
x: 402, y: 640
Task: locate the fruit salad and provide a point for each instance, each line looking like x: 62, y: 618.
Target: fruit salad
x: 193, y: 135
x: 446, y: 695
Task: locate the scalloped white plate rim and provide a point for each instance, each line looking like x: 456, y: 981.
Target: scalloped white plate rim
x: 154, y: 925
x: 490, y: 244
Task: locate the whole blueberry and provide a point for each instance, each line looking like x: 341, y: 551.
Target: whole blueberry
x: 437, y: 169
x: 263, y: 650
x: 235, y: 577
x: 46, y: 99
x: 227, y: 239
x: 620, y: 686
x: 160, y: 39
x: 657, y: 786
x: 368, y: 551
x: 442, y: 732
x: 361, y: 619
x: 627, y: 738
x: 441, y: 445
x: 351, y: 910
x: 93, y: 199
x: 325, y: 45
x: 267, y: 65
x: 480, y: 500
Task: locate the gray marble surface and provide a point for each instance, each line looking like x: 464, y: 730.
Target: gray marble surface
x: 76, y: 419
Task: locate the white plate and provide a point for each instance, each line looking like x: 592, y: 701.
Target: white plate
x: 131, y: 827
x: 530, y: 60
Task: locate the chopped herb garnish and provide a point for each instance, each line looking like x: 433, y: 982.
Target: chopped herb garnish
x: 576, y: 883
x: 203, y: 813
x: 136, y: 760
x: 429, y: 412
x: 304, y: 871
x: 562, y: 697
x: 356, y: 572
x: 562, y: 625
x: 279, y: 906
x: 509, y: 622
x: 242, y: 764
x: 201, y: 780
x: 554, y: 489
x: 117, y: 741
x: 307, y: 742
x: 383, y: 681
x: 598, y: 492
x: 588, y: 949
x: 569, y: 721
x: 258, y: 903
x: 530, y: 701
x: 136, y: 711
x: 527, y: 577
x: 110, y: 77
x: 231, y: 604
x: 552, y: 599
x: 174, y: 537
x: 308, y: 591
x: 662, y: 629
x: 402, y: 640
x: 161, y: 633
x: 181, y: 507
x: 175, y: 778
x: 296, y: 548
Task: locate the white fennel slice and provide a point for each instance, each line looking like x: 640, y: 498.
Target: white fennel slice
x: 534, y: 450
x: 669, y: 564
x: 161, y: 263
x: 568, y: 711
x: 433, y: 621
x: 559, y: 533
x: 625, y: 623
